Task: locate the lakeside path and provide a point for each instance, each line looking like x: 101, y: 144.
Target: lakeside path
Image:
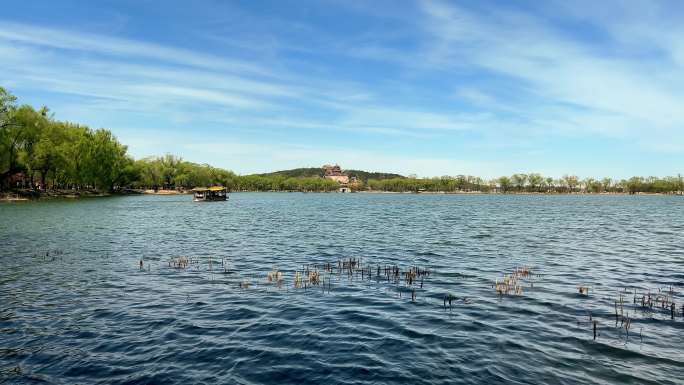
x: 28, y: 195
x: 166, y: 192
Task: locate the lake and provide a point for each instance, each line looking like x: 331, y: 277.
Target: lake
x: 77, y: 308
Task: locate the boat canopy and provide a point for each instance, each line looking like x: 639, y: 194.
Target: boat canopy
x: 212, y: 188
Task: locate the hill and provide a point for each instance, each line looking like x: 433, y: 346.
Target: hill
x: 296, y: 172
x: 365, y: 175
x: 317, y: 171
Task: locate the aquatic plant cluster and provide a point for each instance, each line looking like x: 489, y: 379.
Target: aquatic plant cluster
x: 644, y: 305
x: 406, y: 282
x: 631, y: 305
x: 513, y: 283
x: 314, y: 275
x: 50, y: 255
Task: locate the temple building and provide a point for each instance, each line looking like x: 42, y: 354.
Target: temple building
x: 335, y: 173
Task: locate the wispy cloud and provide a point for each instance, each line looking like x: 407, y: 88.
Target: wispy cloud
x: 292, y: 155
x: 567, y: 82
x: 120, y: 76
x: 448, y: 85
x: 78, y: 41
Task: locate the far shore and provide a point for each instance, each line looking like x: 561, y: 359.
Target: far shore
x: 166, y: 192
x: 506, y: 193
x: 23, y: 195
x: 26, y: 195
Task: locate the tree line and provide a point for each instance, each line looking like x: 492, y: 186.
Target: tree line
x: 52, y: 153
x: 361, y: 175
x: 171, y: 172
x: 531, y: 183
x: 39, y: 152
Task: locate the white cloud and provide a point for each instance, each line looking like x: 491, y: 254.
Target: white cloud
x: 78, y: 41
x: 293, y: 155
x: 475, y: 96
x: 122, y: 82
x: 504, y: 80
x: 566, y: 83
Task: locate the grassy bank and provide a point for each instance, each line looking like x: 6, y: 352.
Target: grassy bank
x: 19, y: 195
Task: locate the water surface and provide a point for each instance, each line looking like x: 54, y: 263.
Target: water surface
x: 86, y: 313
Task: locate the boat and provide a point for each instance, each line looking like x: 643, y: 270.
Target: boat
x: 210, y: 194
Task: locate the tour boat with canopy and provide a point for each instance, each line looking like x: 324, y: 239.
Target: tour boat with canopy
x: 210, y: 194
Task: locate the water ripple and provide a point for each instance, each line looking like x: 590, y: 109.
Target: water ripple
x: 86, y: 313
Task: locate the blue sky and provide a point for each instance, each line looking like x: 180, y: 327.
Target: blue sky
x: 426, y: 87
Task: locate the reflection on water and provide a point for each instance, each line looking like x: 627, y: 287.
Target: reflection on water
x: 77, y: 308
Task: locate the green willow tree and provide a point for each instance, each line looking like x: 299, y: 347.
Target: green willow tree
x: 10, y: 136
x: 532, y: 183
x: 58, y: 154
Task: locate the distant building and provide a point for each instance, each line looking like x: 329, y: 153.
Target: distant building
x: 18, y: 180
x: 335, y: 173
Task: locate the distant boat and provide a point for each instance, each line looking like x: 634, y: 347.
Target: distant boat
x: 210, y: 194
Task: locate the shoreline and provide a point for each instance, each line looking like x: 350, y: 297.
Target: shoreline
x: 164, y: 192
x: 510, y: 193
x: 31, y: 195
x: 26, y: 195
